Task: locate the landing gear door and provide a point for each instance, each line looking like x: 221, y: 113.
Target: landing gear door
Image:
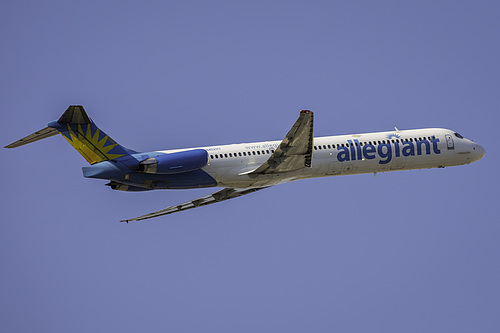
x: 449, y: 142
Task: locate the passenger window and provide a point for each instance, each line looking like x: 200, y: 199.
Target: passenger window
x: 225, y: 155
x: 253, y: 152
x: 212, y: 156
x: 329, y: 147
x: 230, y: 155
x: 272, y: 151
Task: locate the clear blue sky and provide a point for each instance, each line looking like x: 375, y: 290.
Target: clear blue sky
x: 412, y: 251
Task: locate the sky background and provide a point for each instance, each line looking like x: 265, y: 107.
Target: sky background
x: 410, y: 251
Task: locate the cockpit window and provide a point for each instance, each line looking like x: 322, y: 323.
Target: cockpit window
x: 459, y: 136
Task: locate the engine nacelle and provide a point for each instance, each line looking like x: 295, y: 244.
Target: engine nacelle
x: 183, y: 161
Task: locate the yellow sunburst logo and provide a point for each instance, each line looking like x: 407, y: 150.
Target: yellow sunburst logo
x: 90, y: 147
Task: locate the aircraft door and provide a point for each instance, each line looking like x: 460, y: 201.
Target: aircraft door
x: 449, y: 142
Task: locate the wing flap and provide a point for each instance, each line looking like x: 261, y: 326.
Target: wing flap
x: 222, y: 195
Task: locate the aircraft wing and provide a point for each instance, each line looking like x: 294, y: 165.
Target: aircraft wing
x: 47, y: 132
x: 295, y: 151
x: 224, y: 194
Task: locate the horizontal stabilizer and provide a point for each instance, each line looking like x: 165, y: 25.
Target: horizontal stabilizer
x: 47, y: 132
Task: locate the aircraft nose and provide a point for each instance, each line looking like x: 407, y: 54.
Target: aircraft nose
x: 478, y: 152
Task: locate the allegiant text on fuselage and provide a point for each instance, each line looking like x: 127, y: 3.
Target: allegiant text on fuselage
x: 356, y: 151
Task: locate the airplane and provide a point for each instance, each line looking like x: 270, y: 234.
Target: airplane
x: 249, y: 167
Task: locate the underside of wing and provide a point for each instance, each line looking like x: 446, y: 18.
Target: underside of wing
x: 295, y: 151
x: 47, y: 132
x: 222, y: 195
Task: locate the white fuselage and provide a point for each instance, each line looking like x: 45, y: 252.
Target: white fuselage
x: 231, y: 165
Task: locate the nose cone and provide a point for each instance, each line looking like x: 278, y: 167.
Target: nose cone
x: 477, y: 152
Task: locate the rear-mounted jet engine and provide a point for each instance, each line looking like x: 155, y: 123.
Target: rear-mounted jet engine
x: 173, y: 163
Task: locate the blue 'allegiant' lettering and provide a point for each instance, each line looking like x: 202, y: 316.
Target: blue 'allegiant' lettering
x: 358, y: 149
x: 408, y: 149
x: 435, y: 146
x: 355, y: 151
x: 368, y: 150
x: 387, y: 154
x: 427, y: 147
x: 343, y: 154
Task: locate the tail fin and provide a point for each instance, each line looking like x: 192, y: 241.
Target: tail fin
x: 81, y: 132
